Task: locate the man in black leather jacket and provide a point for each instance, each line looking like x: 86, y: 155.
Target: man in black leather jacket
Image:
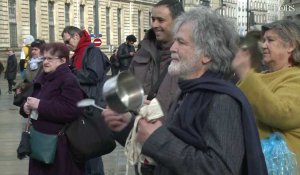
x: 126, y: 52
x: 90, y: 66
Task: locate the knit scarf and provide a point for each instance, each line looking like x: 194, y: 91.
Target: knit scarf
x: 84, y: 41
x: 198, y: 95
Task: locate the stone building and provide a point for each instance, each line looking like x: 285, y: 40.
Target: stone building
x: 113, y: 20
x: 291, y: 9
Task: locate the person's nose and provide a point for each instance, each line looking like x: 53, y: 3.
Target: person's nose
x: 173, y: 48
x: 264, y: 44
x: 155, y: 24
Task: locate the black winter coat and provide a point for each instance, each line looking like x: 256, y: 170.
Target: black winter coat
x: 11, y: 67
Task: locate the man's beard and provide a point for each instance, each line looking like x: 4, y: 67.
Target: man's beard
x: 183, y: 67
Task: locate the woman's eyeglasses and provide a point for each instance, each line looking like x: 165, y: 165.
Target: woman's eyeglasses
x: 50, y: 59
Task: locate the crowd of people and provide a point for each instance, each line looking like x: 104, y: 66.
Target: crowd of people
x: 220, y: 94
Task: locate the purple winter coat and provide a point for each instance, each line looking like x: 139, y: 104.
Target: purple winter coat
x: 58, y: 93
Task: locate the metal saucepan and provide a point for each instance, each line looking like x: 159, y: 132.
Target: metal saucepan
x: 123, y: 92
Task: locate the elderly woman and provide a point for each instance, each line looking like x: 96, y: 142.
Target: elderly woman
x: 56, y: 92
x: 275, y: 94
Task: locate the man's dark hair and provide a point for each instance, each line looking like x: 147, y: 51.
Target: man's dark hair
x: 131, y: 38
x: 174, y: 6
x: 71, y: 30
x: 38, y: 43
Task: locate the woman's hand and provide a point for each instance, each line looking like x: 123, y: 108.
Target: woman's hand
x: 33, y: 103
x: 242, y: 63
x: 18, y: 90
x: 26, y: 108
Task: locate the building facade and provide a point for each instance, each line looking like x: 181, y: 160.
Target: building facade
x: 291, y: 9
x: 113, y: 20
x: 45, y: 19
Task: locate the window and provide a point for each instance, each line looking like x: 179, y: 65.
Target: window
x: 96, y: 17
x: 150, y: 18
x: 181, y: 2
x: 82, y: 16
x: 32, y: 6
x: 12, y: 23
x: 107, y: 26
x: 140, y: 25
x: 119, y: 26
x: 67, y: 14
x: 51, y: 21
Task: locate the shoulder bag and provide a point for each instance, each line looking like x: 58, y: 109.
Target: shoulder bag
x: 43, y: 146
x: 89, y: 136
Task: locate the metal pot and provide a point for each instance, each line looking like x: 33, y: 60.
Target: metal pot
x: 123, y: 92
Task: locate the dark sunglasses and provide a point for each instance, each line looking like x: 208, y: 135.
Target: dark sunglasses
x: 67, y: 41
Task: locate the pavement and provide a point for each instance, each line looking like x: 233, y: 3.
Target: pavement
x: 11, y: 124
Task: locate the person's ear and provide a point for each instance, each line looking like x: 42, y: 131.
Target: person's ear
x: 290, y: 47
x: 63, y: 60
x: 76, y: 35
x: 205, y: 60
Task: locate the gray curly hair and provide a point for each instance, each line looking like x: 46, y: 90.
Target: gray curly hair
x: 213, y: 36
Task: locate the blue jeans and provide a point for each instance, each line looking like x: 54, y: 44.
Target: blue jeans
x: 94, y: 167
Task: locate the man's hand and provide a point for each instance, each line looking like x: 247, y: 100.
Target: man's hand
x: 145, y: 129
x: 115, y: 121
x: 131, y: 53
